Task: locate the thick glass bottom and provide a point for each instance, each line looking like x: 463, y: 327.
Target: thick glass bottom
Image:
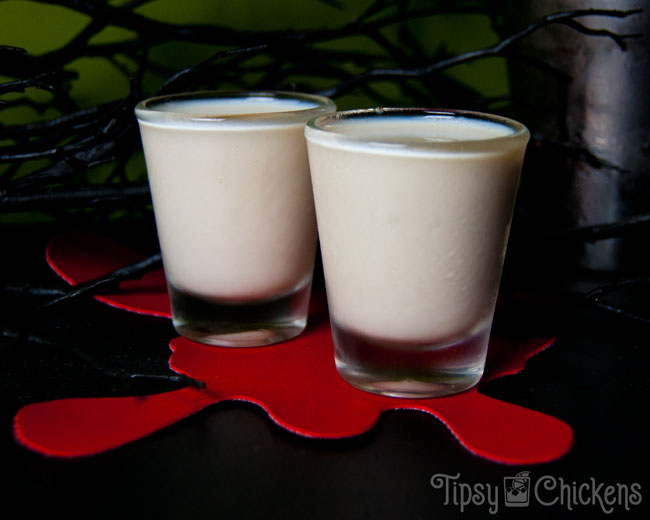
x: 407, y: 369
x: 240, y: 324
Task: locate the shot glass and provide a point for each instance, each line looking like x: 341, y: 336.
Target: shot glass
x: 413, y: 209
x: 233, y: 203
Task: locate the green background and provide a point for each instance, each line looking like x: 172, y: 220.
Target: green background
x: 40, y: 27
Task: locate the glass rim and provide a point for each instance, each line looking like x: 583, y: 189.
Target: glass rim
x: 146, y: 109
x: 518, y: 136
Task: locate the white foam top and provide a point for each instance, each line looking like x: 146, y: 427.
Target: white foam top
x: 411, y: 133
x: 424, y: 129
x: 213, y: 108
x: 220, y: 110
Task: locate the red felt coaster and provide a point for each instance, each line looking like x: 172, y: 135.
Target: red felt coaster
x: 295, y: 382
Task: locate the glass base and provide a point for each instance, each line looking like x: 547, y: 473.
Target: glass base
x: 246, y: 324
x: 407, y: 369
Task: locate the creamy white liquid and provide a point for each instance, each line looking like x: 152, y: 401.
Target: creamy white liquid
x: 233, y: 201
x: 407, y: 132
x: 213, y: 108
x: 413, y: 237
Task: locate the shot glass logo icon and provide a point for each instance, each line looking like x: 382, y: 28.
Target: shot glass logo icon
x: 517, y: 489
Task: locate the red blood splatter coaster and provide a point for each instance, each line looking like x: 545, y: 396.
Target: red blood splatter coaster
x: 295, y: 382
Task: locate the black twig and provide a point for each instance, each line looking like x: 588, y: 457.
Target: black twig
x: 615, y: 286
x: 595, y: 297
x: 108, y: 282
x: 44, y: 81
x: 82, y: 197
x: 26, y: 289
x: 623, y: 227
x: 184, y: 75
x: 10, y: 338
x: 76, y: 121
x: 574, y: 151
x: 617, y: 38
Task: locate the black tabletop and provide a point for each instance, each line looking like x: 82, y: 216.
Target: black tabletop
x: 230, y: 460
